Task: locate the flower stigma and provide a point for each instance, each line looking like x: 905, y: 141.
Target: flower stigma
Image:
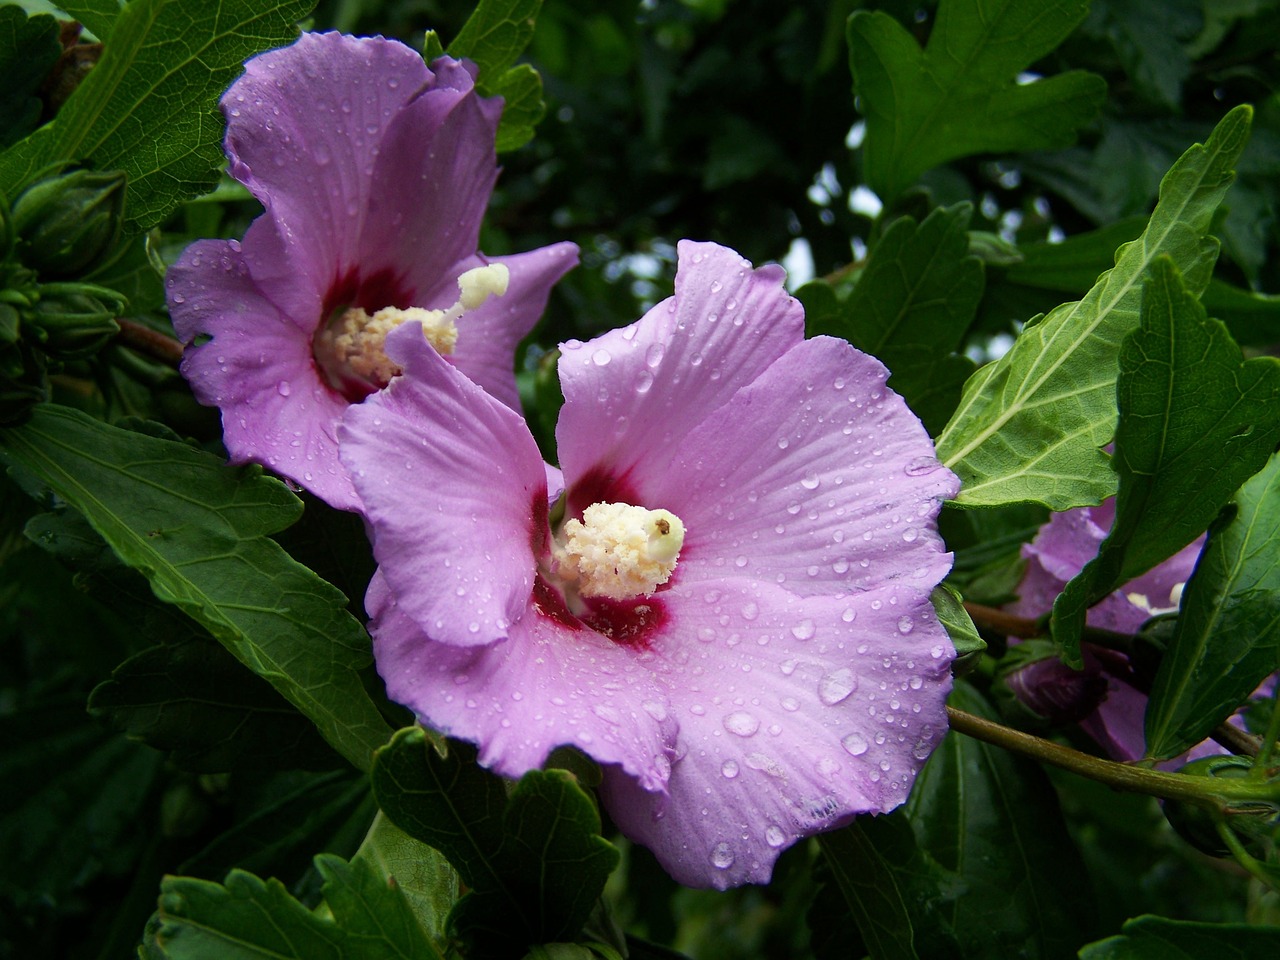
x: 619, y: 551
x: 354, y: 342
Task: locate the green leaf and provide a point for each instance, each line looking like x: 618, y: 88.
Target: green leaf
x: 951, y: 612
x: 1031, y: 425
x: 29, y: 48
x: 978, y: 863
x: 1156, y: 938
x: 494, y: 36
x: 192, y: 698
x: 158, y: 85
x: 197, y: 530
x: 960, y: 96
x: 879, y: 870
x: 534, y: 861
x: 421, y: 872
x: 1196, y: 421
x: 911, y: 307
x: 247, y: 919
x: 98, y: 15
x: 1227, y: 639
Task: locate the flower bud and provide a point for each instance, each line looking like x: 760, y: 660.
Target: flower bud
x: 71, y: 326
x: 68, y: 223
x: 1041, y: 685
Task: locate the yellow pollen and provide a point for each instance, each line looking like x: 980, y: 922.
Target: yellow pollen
x: 620, y: 551
x: 358, y: 340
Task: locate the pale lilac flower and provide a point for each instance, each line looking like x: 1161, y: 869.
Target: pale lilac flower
x: 779, y: 669
x: 375, y: 172
x: 1060, y: 551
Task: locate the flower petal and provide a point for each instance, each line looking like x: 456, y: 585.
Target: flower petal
x: 456, y: 494
x: 488, y: 336
x: 304, y: 128
x: 257, y: 369
x: 435, y: 170
x: 546, y: 685
x: 816, y: 476
x: 633, y: 395
x: 795, y: 714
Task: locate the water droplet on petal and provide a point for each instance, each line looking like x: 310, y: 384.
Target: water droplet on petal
x: 910, y: 534
x: 644, y: 380
x: 855, y: 743
x: 742, y: 724
x: 905, y: 624
x: 601, y: 358
x: 836, y: 686
x: 283, y: 388
x: 810, y: 481
x: 804, y: 630
x: 653, y: 355
x: 730, y: 769
x: 774, y: 836
x: 921, y: 466
x: 722, y: 856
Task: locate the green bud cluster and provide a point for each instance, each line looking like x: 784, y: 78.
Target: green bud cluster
x: 59, y: 230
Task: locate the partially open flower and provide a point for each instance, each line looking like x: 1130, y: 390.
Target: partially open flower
x: 1060, y: 551
x: 729, y: 608
x: 375, y: 172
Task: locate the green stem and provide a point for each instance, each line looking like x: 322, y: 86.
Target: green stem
x: 1243, y: 857
x: 1155, y: 783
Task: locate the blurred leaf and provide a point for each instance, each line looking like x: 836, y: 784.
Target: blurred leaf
x: 29, y: 48
x: 1156, y: 938
x: 534, y: 862
x: 494, y: 36
x: 911, y: 307
x: 960, y: 96
x: 194, y: 699
x: 1227, y: 640
x: 285, y: 821
x: 1196, y: 421
x: 158, y: 84
x: 78, y: 803
x: 197, y: 529
x: 247, y: 918
x: 1151, y: 48
x: 1031, y: 425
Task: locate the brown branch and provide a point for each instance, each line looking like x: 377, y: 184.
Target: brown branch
x: 1002, y: 622
x: 153, y: 343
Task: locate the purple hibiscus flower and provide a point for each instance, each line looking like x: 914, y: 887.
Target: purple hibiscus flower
x: 1114, y: 711
x: 729, y: 609
x: 375, y: 172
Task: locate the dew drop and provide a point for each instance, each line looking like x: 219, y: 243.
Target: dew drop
x: 921, y: 466
x: 804, y: 630
x: 283, y: 388
x: 601, y: 358
x: 836, y: 686
x: 855, y: 744
x: 750, y: 610
x: 910, y: 534
x: 810, y: 481
x: 653, y: 356
x: 774, y: 836
x: 729, y: 768
x: 783, y: 443
x: 905, y: 624
x: 644, y: 380
x: 742, y: 724
x: 722, y: 856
